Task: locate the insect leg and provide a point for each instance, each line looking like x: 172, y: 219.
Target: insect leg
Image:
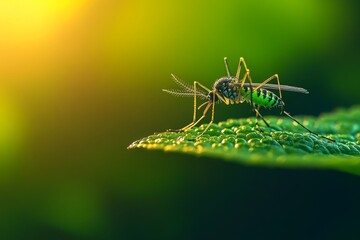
x: 212, y: 114
x: 202, y: 86
x: 227, y: 67
x: 257, y: 120
x: 287, y: 114
x: 247, y: 76
x: 195, y: 109
x: 194, y: 122
x: 194, y: 116
x: 203, y: 115
x: 268, y: 80
x: 258, y: 114
x: 239, y: 69
x: 278, y: 83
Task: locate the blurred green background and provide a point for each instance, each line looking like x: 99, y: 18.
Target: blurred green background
x: 80, y: 80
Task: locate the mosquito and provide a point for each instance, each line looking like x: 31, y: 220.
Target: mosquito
x: 236, y: 90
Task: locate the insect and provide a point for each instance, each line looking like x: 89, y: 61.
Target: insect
x: 235, y: 90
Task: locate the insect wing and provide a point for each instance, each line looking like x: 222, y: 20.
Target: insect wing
x: 285, y: 88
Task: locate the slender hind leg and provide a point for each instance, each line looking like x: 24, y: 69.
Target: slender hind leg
x: 275, y: 76
x: 282, y: 110
x: 268, y: 80
x: 287, y: 114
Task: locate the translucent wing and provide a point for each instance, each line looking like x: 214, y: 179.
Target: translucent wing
x: 275, y: 87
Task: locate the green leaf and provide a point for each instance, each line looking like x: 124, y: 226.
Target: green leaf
x: 284, y: 144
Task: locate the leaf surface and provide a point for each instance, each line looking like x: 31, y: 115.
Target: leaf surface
x: 284, y: 144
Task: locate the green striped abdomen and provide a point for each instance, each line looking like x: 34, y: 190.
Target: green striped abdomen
x: 262, y: 97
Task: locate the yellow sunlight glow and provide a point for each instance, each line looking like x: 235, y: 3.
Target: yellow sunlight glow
x: 27, y: 20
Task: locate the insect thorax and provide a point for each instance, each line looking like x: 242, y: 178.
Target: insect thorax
x: 224, y: 87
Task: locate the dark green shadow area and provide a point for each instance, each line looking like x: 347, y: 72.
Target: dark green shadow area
x: 285, y: 144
